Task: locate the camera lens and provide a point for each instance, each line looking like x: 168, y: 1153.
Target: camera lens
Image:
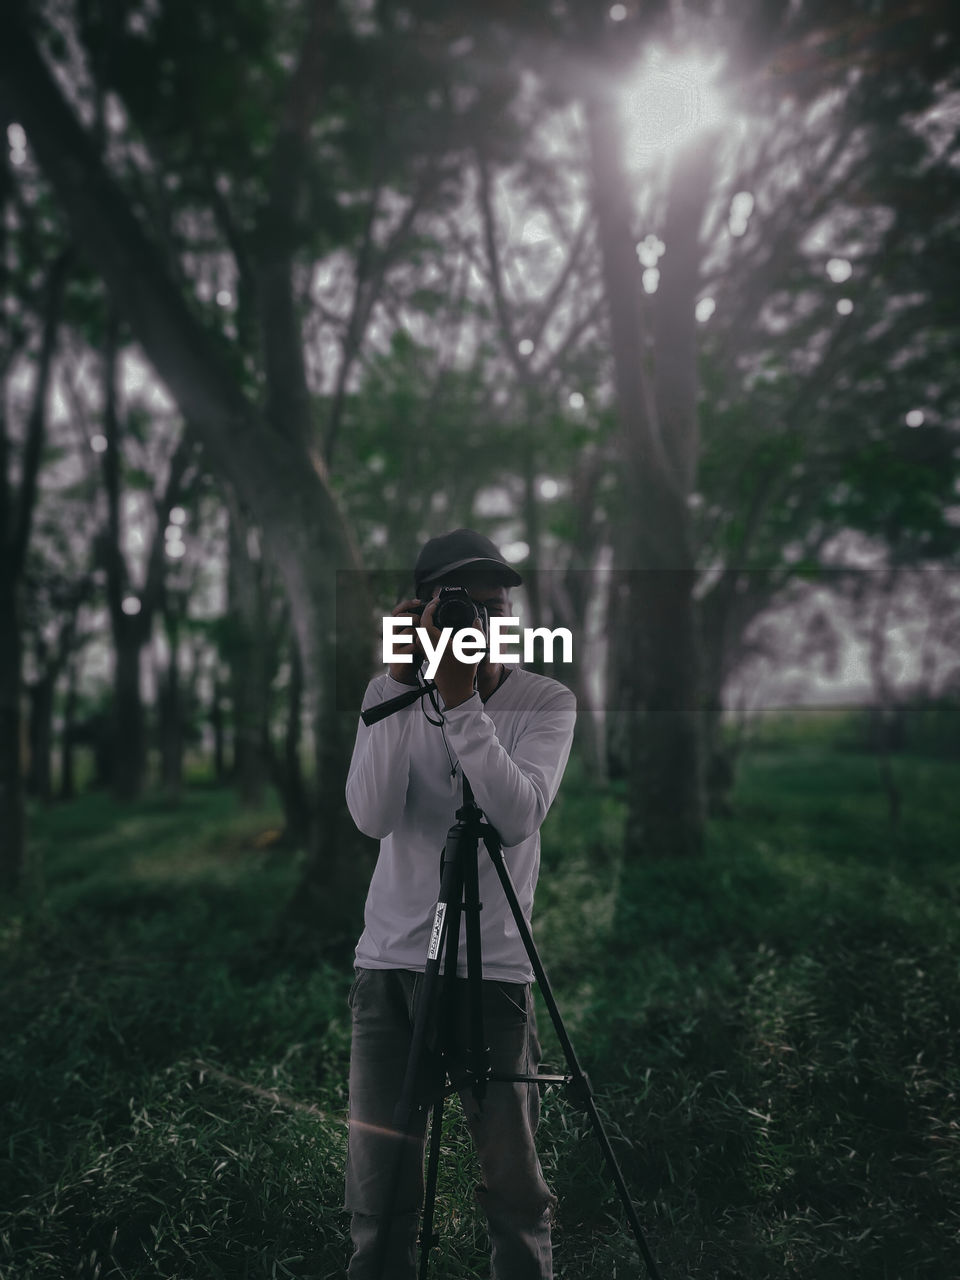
x: 455, y: 613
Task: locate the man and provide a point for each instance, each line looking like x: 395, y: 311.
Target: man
x: 510, y: 730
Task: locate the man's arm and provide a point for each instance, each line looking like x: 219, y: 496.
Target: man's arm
x: 379, y: 770
x: 514, y: 791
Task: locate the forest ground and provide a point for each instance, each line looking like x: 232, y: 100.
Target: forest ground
x: 772, y: 1035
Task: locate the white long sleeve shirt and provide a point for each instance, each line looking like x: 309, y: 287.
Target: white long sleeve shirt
x: 405, y: 786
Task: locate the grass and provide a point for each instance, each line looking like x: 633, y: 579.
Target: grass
x: 772, y: 1036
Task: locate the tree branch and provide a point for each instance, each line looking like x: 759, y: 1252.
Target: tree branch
x: 288, y: 397
x: 365, y: 298
x: 563, y: 278
x: 33, y: 447
x: 495, y: 273
x: 152, y: 593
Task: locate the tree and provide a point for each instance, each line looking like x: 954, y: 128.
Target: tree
x: 255, y: 420
x: 16, y: 516
x: 51, y: 654
x: 659, y: 445
x: 132, y: 615
x: 807, y: 395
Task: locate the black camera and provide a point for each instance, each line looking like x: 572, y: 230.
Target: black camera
x: 455, y: 609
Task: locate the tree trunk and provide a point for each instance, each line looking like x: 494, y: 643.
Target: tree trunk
x: 127, y: 720
x: 16, y: 521
x: 718, y: 755
x: 531, y: 521
x: 666, y: 815
x: 658, y: 439
x: 725, y: 612
x: 248, y: 664
x: 13, y: 858
x: 127, y: 712
x: 287, y: 769
x: 297, y: 803
x: 39, y: 782
x: 104, y: 741
x: 715, y: 616
x: 216, y: 724
x: 576, y: 597
x: 67, y: 779
x: 591, y: 751
x: 884, y: 719
x: 170, y: 711
x: 620, y: 658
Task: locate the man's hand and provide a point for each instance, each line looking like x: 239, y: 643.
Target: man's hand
x: 406, y: 672
x: 454, y: 679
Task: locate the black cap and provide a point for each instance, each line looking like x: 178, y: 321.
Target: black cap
x: 456, y: 550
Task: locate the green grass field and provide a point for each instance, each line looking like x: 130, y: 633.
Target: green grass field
x: 771, y: 1033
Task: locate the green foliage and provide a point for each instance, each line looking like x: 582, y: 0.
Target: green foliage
x: 150, y: 1050
x: 771, y: 1034
x: 775, y: 1028
x: 418, y: 438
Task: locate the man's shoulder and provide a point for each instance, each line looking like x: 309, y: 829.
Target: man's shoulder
x: 376, y: 682
x: 380, y: 687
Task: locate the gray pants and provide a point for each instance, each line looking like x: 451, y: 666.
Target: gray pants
x: 516, y: 1200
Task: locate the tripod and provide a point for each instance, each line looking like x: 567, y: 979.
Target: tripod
x: 460, y: 896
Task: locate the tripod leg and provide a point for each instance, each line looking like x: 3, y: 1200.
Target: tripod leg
x: 478, y: 1056
x: 515, y: 1198
x: 450, y: 893
x: 580, y: 1085
x: 446, y: 1001
x: 427, y: 1236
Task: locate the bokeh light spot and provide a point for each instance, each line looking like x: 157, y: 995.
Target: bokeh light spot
x: 650, y: 250
x: 839, y: 269
x: 514, y: 551
x: 741, y: 206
